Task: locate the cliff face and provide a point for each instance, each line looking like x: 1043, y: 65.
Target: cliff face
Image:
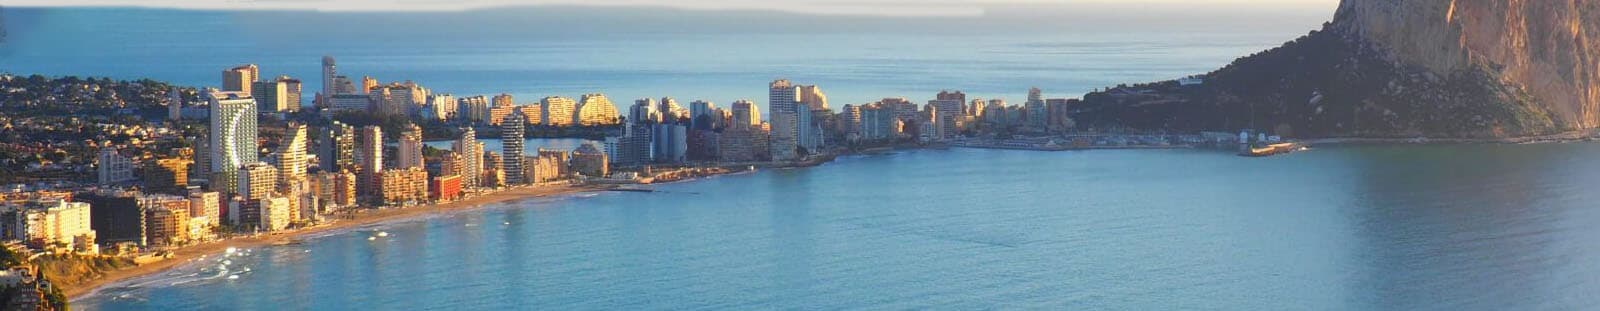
x: 1550, y: 48
x: 1394, y: 68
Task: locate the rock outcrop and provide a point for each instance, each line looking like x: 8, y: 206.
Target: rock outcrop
x: 1551, y: 48
x: 1398, y: 68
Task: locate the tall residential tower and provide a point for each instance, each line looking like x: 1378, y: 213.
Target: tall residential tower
x: 232, y: 134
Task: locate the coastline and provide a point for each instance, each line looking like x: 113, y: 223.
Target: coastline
x: 188, y: 254
x: 1571, y: 136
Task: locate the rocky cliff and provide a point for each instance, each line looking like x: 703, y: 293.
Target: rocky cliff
x: 1456, y: 68
x: 1551, y: 48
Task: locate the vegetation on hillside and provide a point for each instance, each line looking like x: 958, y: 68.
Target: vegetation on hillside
x: 1325, y: 84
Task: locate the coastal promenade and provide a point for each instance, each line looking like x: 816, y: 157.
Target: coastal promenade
x: 189, y: 254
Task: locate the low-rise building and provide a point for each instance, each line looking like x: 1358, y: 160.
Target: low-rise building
x: 445, y: 188
x: 549, y: 165
x: 52, y: 223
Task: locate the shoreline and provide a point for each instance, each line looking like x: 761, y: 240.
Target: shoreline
x: 187, y: 254
x: 1572, y: 136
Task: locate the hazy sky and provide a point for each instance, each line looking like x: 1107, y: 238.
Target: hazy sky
x: 849, y: 7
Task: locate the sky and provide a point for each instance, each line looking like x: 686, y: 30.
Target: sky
x: 829, y: 7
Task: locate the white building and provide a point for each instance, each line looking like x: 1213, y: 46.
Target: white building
x: 113, y: 167
x: 54, y: 222
x: 232, y: 136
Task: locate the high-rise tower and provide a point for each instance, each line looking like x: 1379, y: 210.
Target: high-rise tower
x: 232, y: 134
x: 511, y: 147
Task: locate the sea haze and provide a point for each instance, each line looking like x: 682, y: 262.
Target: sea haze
x: 631, y: 52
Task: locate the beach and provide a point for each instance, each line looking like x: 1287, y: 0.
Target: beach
x: 189, y: 253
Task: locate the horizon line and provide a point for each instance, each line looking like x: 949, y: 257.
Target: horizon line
x: 938, y: 9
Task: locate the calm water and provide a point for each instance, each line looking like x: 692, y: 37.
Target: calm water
x: 629, y: 53
x: 1401, y: 227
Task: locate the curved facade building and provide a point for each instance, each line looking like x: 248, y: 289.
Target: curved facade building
x: 595, y: 109
x: 232, y: 136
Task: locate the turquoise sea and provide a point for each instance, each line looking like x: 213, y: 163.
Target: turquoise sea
x: 1455, y: 227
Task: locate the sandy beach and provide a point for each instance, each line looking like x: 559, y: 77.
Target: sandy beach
x: 189, y: 253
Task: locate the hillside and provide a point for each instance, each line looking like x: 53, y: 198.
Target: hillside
x: 1494, y: 68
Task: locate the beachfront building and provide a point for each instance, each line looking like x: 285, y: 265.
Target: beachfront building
x: 783, y: 101
x: 501, y: 106
x: 737, y: 144
x: 274, y: 213
x: 670, y: 111
x: 559, y: 111
x: 206, y: 207
x: 532, y: 113
x: 633, y: 148
x: 474, y: 109
x: 493, y: 174
x: 369, y: 160
x: 1035, y: 109
x: 334, y: 190
x: 590, y: 161
x: 700, y: 115
x: 445, y: 188
x: 644, y: 111
x: 549, y: 165
x: 745, y: 113
x: 511, y: 141
x: 403, y: 186
x: 948, y: 107
x: 670, y: 143
x: 52, y: 223
x: 232, y: 136
x: 471, y: 152
x: 257, y: 181
x: 595, y: 109
x: 166, y: 220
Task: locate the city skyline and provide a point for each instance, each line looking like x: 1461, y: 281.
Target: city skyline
x: 805, y: 154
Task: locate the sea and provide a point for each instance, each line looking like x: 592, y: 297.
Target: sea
x: 1413, y: 227
x: 1407, y: 227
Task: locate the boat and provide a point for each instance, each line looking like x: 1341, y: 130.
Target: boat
x: 1272, y: 149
